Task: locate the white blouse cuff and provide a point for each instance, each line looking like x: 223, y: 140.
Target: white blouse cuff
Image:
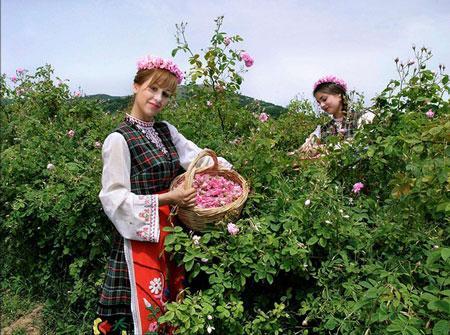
x: 146, y: 210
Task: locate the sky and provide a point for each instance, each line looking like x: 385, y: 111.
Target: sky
x: 95, y: 43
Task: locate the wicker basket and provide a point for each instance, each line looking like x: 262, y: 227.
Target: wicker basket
x: 198, y: 218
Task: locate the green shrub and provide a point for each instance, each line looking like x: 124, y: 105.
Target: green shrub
x: 311, y: 256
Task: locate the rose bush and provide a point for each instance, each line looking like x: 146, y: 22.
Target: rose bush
x: 356, y: 242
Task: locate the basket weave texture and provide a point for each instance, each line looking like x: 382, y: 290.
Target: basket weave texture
x: 197, y: 218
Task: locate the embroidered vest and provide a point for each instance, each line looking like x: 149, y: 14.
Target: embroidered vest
x: 151, y: 170
x: 349, y: 124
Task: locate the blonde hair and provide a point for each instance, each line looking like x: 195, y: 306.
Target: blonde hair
x: 163, y: 78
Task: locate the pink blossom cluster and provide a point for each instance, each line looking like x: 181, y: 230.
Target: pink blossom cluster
x: 248, y: 60
x: 357, y: 187
x: 215, y: 191
x: 150, y: 62
x: 20, y: 70
x: 70, y: 133
x: 232, y: 229
x: 263, y: 117
x: 430, y: 114
x: 330, y: 79
x: 227, y: 41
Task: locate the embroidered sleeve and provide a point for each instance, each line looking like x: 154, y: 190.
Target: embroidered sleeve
x: 188, y: 150
x: 136, y: 217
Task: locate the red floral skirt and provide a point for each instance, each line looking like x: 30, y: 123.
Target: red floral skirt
x: 154, y: 279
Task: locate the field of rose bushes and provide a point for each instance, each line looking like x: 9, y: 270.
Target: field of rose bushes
x: 356, y: 242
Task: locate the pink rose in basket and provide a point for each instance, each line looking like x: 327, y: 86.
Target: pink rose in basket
x: 215, y: 191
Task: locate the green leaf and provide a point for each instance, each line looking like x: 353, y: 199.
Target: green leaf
x: 442, y: 327
x: 167, y: 317
x: 443, y: 207
x: 412, y: 330
x: 445, y: 292
x: 313, y: 240
x: 395, y: 327
x: 445, y: 253
x: 188, y: 257
x: 435, y: 130
x: 330, y: 324
x: 439, y: 305
x: 188, y: 265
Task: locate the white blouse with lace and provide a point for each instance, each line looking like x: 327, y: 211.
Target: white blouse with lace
x: 136, y: 217
x: 317, y: 133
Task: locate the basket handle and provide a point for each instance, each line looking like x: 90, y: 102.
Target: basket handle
x: 190, y: 173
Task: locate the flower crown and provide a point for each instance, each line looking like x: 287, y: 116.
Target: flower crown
x: 331, y: 79
x: 151, y: 62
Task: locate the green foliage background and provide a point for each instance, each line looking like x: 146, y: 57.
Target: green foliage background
x: 371, y: 263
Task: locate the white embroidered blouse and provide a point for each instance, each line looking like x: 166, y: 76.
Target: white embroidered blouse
x: 317, y: 133
x: 136, y: 217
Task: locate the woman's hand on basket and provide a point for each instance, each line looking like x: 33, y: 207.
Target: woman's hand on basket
x: 179, y: 196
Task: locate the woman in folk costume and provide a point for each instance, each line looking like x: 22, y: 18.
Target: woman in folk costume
x: 140, y: 160
x: 331, y: 94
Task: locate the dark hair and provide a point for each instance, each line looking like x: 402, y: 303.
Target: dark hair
x: 336, y: 89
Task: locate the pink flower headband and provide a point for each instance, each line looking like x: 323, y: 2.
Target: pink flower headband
x: 330, y: 79
x: 150, y: 62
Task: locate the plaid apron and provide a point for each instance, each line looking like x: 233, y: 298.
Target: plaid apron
x: 152, y: 171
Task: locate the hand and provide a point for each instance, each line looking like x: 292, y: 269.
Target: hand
x: 308, y: 148
x: 179, y: 196
x: 309, y: 145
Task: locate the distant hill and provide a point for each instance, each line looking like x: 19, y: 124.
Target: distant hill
x: 117, y: 103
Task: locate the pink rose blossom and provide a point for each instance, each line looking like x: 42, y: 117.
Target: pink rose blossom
x: 208, y: 103
x: 77, y: 94
x: 357, y: 187
x: 70, y: 133
x: 330, y: 79
x: 20, y: 70
x: 215, y: 191
x: 248, y: 60
x: 232, y: 229
x: 430, y: 114
x: 151, y: 62
x: 98, y: 144
x: 227, y: 41
x: 263, y: 117
x: 13, y: 79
